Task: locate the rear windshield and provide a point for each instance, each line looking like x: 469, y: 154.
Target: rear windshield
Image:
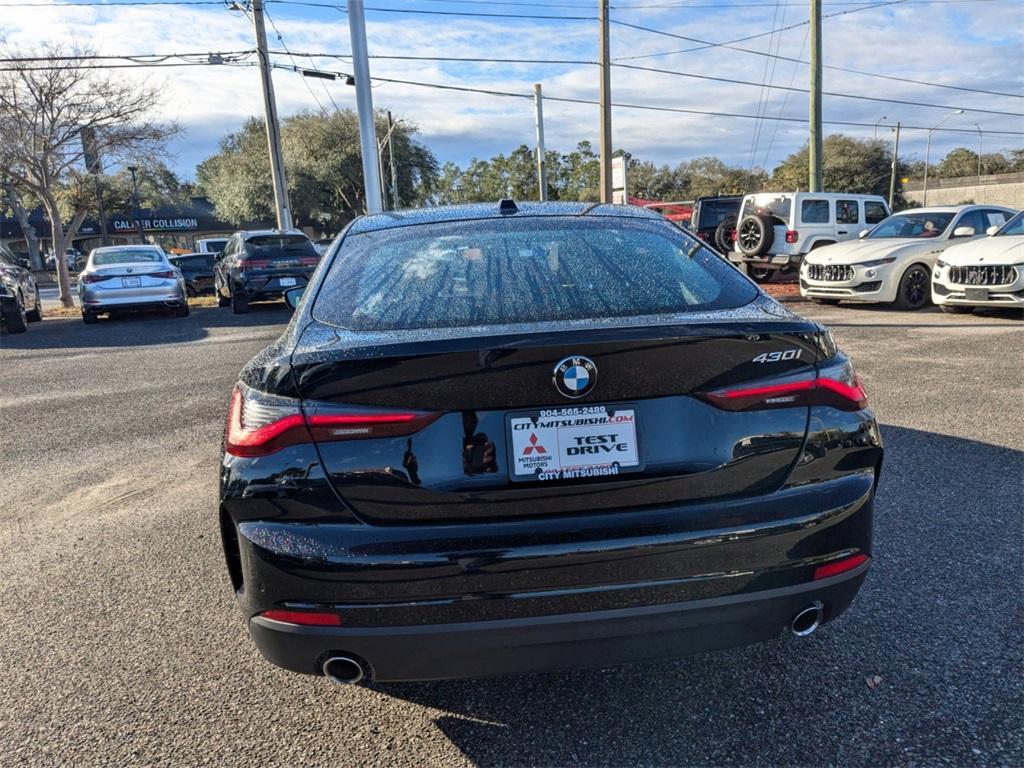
x: 776, y: 206
x: 496, y: 272
x: 712, y: 212
x: 125, y: 256
x: 268, y: 246
x: 913, y: 225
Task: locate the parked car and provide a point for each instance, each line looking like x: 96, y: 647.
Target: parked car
x: 130, y: 278
x: 714, y: 220
x: 893, y: 261
x: 983, y: 273
x: 214, y: 245
x: 505, y: 438
x: 20, y: 303
x: 261, y: 266
x: 75, y: 260
x: 197, y: 269
x: 777, y: 229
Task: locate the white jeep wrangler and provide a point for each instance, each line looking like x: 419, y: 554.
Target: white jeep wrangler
x: 775, y: 229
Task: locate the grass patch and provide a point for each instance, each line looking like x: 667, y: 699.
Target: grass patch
x: 193, y: 302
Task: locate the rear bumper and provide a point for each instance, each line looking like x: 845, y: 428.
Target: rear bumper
x: 533, y: 644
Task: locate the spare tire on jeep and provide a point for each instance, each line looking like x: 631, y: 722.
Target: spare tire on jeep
x: 755, y: 234
x: 724, y: 233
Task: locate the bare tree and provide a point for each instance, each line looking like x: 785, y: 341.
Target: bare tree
x: 47, y: 98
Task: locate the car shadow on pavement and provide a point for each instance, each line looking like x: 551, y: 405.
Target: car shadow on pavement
x: 924, y: 668
x: 141, y: 329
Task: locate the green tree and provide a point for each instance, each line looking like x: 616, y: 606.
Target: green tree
x: 850, y: 165
x: 323, y: 165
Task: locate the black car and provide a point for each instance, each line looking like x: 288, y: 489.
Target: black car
x: 197, y: 269
x: 504, y: 438
x: 20, y: 303
x: 262, y: 265
x: 714, y: 220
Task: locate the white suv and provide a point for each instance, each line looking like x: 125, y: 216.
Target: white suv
x: 776, y: 229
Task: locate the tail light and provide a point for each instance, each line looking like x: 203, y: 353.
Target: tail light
x: 93, y: 277
x: 309, y: 261
x: 245, y: 265
x: 168, y: 274
x: 792, y: 236
x: 732, y: 235
x: 260, y: 424
x: 836, y: 386
x: 839, y: 566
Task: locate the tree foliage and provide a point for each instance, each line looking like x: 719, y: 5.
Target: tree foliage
x: 323, y: 166
x: 850, y: 165
x: 45, y: 106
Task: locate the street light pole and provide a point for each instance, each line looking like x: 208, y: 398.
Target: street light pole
x: 542, y: 175
x: 981, y: 138
x: 880, y: 120
x: 895, y: 160
x: 928, y: 152
x: 135, y: 204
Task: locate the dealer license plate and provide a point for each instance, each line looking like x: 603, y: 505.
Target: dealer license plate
x: 130, y: 282
x: 976, y: 294
x: 574, y: 442
x: 287, y: 282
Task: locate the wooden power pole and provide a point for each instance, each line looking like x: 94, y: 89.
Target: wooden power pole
x: 606, y: 104
x: 815, y: 144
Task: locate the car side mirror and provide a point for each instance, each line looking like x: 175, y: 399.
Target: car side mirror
x: 991, y: 230
x: 863, y: 233
x: 293, y: 296
x: 963, y: 232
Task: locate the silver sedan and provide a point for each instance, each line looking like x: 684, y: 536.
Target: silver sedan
x: 130, y: 278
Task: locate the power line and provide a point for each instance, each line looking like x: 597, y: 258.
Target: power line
x: 280, y: 39
x: 709, y: 44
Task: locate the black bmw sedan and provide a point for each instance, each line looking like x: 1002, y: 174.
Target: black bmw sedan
x: 506, y: 438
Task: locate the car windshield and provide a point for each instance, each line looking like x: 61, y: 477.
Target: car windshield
x: 712, y: 212
x: 914, y: 224
x: 279, y: 245
x: 1014, y: 226
x: 495, y: 272
x: 777, y: 206
x: 125, y: 256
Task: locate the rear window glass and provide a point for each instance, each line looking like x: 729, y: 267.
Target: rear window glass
x: 775, y: 206
x: 279, y: 245
x: 712, y: 212
x: 496, y: 272
x: 125, y: 256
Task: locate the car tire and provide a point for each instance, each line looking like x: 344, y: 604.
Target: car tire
x: 15, y: 320
x: 754, y: 235
x: 914, y: 291
x: 239, y: 301
x: 760, y: 275
x: 89, y: 318
x: 954, y: 309
x: 826, y: 302
x: 36, y: 314
x: 723, y: 238
x: 222, y: 300
x: 181, y: 310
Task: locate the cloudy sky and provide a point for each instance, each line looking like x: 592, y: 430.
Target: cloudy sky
x: 969, y: 44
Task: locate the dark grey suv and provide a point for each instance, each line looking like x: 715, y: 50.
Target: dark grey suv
x: 261, y: 265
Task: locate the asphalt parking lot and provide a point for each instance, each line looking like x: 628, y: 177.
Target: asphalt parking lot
x: 120, y: 644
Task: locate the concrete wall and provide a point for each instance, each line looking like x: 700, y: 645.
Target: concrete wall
x: 999, y: 189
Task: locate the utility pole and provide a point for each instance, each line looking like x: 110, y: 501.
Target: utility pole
x: 895, y: 160
x: 542, y: 174
x: 364, y: 106
x: 284, y: 215
x: 604, y: 56
x: 395, y: 204
x: 815, y: 145
x: 135, y: 205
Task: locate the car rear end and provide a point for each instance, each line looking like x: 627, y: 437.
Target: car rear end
x: 274, y: 263
x: 130, y: 278
x: 485, y: 446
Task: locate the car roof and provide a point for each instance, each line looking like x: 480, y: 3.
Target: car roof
x: 105, y: 248
x: 952, y: 208
x: 247, y: 233
x: 479, y: 211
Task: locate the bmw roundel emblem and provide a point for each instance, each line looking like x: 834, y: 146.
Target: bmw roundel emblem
x: 575, y: 376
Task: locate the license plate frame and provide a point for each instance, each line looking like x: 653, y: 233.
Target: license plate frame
x: 976, y: 294
x: 131, y: 282
x: 533, y: 461
x: 287, y: 282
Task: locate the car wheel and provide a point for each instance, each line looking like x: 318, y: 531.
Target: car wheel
x: 181, y: 310
x: 239, y: 301
x: 827, y: 302
x: 914, y: 291
x: 754, y: 235
x: 724, y: 234
x: 222, y: 300
x: 760, y: 275
x: 953, y: 309
x: 37, y: 310
x: 89, y: 318
x: 15, y: 319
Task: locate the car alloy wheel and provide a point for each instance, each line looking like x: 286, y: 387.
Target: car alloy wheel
x: 915, y: 291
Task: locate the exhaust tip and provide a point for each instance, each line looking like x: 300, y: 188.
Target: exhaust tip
x: 343, y: 670
x: 808, y: 620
